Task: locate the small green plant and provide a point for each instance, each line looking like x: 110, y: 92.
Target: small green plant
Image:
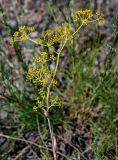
x: 41, y: 74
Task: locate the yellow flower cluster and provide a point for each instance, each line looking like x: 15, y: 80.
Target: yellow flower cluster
x: 52, y: 57
x: 41, y: 92
x: 66, y: 31
x: 46, y: 33
x: 21, y: 28
x: 86, y: 16
x: 40, y: 99
x: 41, y: 74
x: 35, y: 108
x: 50, y: 37
x: 100, y: 17
x: 23, y: 37
x: 55, y: 100
x: 23, y: 33
x: 54, y: 82
x: 88, y: 13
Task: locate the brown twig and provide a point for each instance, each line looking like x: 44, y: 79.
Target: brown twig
x: 32, y: 143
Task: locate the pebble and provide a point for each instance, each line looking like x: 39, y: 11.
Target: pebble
x: 3, y: 115
x: 12, y: 23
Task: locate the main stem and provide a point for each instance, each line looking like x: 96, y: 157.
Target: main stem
x: 57, y: 64
x: 52, y: 138
x: 48, y: 94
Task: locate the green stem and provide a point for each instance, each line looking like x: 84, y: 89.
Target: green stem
x: 57, y: 63
x: 78, y: 29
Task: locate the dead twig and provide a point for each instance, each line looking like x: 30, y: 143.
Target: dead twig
x: 32, y: 143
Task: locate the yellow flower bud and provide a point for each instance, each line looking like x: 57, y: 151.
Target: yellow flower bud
x: 16, y: 34
x: 21, y: 28
x: 23, y: 37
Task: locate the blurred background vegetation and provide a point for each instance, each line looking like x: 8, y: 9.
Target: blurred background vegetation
x: 86, y: 126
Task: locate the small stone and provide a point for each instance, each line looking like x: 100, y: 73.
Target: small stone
x: 3, y: 115
x: 12, y: 23
x: 34, y: 34
x: 3, y: 144
x: 52, y: 66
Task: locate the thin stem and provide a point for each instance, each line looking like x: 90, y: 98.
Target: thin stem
x: 22, y: 140
x: 41, y: 71
x: 34, y: 41
x: 52, y: 138
x: 57, y: 63
x: 77, y: 29
x: 38, y: 127
x: 32, y: 143
x: 47, y: 99
x: 94, y: 20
